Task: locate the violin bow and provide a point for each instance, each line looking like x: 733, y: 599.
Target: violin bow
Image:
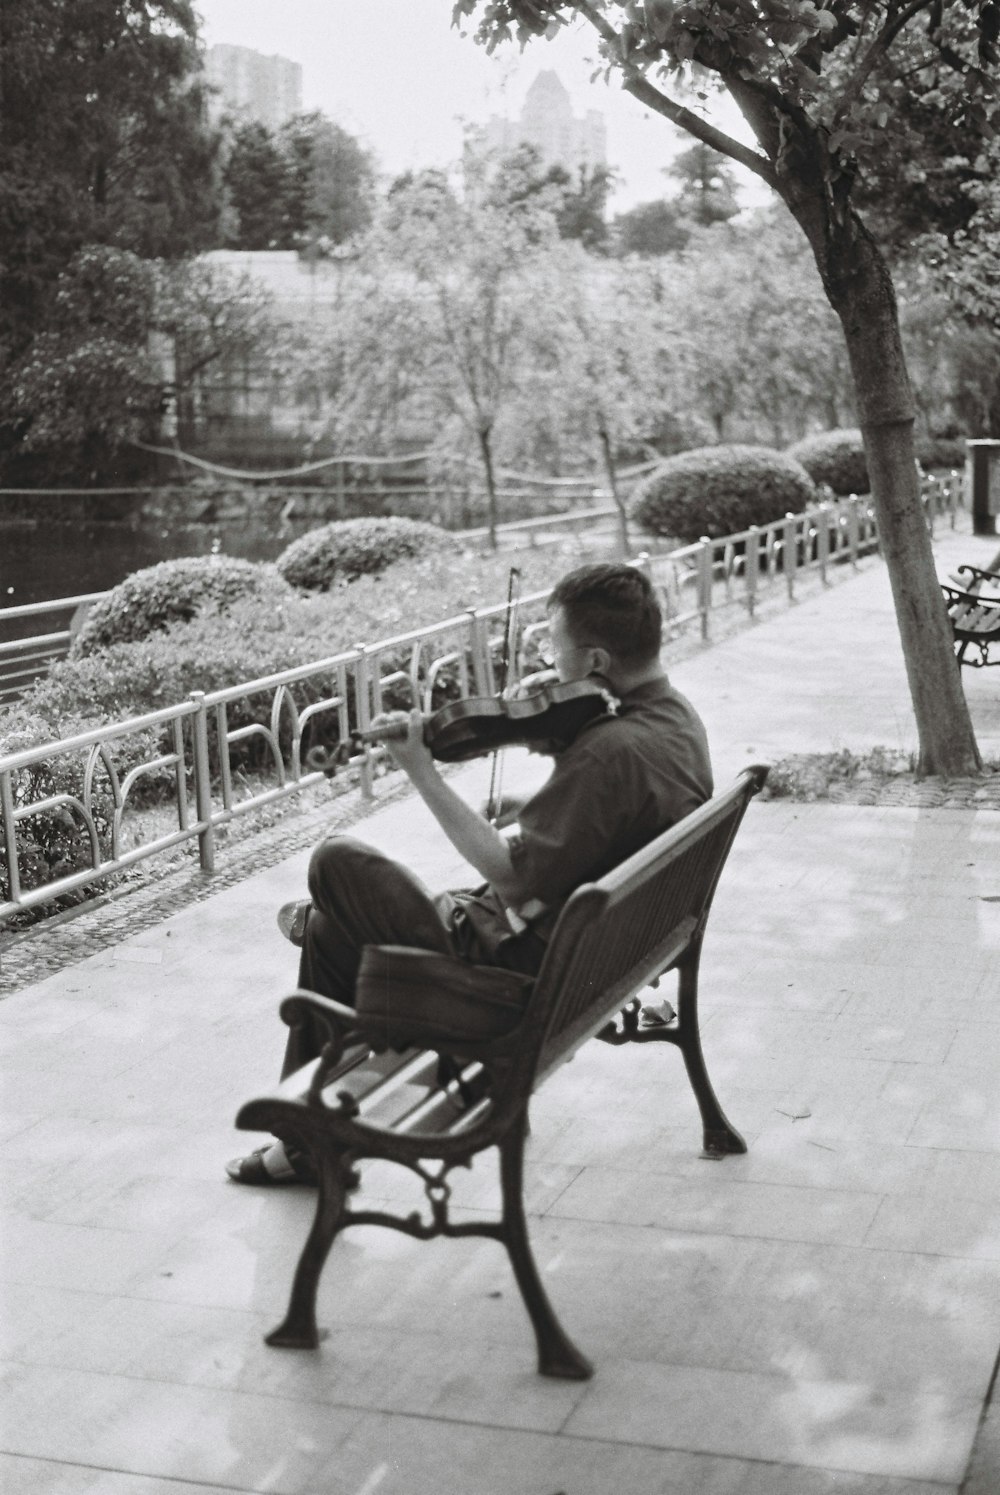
x: 493, y: 804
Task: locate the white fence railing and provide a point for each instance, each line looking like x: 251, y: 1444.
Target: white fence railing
x: 77, y: 792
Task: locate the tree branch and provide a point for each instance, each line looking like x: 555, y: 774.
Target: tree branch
x: 878, y: 49
x: 638, y: 85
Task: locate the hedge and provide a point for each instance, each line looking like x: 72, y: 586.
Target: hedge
x: 347, y: 549
x: 835, y: 460
x: 941, y: 453
x: 720, y: 490
x: 173, y: 592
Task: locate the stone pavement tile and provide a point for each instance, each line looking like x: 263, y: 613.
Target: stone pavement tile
x: 66, y: 1005
x: 23, y: 1476
x: 800, y: 1153
x: 977, y: 1017
x: 714, y: 1301
x: 766, y: 1031
x: 806, y: 1155
x: 763, y: 982
x: 829, y: 1216
x: 983, y: 1474
x: 855, y: 973
x: 39, y: 1254
x: 755, y: 1110
x: 826, y: 1423
x: 359, y: 1365
x: 178, y: 1432
x: 455, y: 1379
x: 13, y: 1123
x: 408, y: 1456
x: 131, y: 1201
x: 636, y: 1140
x: 119, y: 1335
x: 243, y: 1260
x: 959, y: 1117
x: 967, y: 1050
x: 968, y: 1228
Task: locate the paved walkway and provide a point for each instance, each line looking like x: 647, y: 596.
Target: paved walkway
x: 820, y: 1317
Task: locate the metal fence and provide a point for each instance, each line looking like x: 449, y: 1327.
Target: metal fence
x: 24, y: 659
x: 80, y: 788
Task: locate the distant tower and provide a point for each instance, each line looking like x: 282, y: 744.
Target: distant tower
x: 548, y: 123
x: 251, y: 86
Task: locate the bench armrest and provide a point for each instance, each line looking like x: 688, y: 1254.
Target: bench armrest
x: 977, y: 576
x: 955, y: 595
x: 302, y: 1004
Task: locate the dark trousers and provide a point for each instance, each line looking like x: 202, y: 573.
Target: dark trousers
x: 361, y: 897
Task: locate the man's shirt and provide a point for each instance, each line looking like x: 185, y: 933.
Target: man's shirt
x: 622, y: 781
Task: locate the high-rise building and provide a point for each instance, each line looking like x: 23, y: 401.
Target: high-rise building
x: 547, y: 123
x: 251, y: 86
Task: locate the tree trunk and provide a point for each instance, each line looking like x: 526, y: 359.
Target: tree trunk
x: 609, y: 468
x: 491, y: 487
x: 859, y: 288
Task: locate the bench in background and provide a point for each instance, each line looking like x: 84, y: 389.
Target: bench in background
x: 974, y: 612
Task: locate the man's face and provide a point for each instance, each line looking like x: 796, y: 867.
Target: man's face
x: 571, y: 660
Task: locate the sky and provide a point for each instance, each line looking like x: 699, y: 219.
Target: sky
x: 399, y: 77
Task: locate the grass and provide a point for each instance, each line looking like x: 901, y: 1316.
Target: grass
x: 838, y: 775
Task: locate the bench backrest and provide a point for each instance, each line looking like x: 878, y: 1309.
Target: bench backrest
x: 616, y: 935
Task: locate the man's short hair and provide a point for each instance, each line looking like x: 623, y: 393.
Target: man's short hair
x: 614, y: 606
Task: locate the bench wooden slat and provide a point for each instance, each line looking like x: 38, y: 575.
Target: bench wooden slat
x: 975, y: 621
x: 398, y: 1091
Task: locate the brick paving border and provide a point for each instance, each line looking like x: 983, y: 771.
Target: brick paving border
x: 31, y: 954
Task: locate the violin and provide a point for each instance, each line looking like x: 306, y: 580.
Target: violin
x: 547, y: 719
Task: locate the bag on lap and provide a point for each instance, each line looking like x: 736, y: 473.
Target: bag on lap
x: 422, y: 999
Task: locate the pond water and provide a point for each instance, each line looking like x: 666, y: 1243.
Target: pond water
x: 38, y: 564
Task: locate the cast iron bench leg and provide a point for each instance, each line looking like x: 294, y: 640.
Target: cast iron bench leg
x: 720, y: 1136
x: 298, y: 1331
x: 557, y: 1354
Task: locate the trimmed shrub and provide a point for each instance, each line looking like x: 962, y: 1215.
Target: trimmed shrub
x: 721, y: 490
x: 348, y: 548
x: 834, y: 460
x: 941, y: 453
x: 173, y: 592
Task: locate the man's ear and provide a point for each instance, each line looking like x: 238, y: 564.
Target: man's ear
x: 600, y: 662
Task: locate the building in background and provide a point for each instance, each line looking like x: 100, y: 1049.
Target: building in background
x: 547, y: 123
x: 267, y: 90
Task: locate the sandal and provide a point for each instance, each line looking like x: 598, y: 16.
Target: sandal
x: 253, y: 1170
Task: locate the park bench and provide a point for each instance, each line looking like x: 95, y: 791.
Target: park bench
x: 435, y: 1106
x: 974, y: 612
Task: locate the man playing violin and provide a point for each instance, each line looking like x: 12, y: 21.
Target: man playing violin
x: 625, y: 778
